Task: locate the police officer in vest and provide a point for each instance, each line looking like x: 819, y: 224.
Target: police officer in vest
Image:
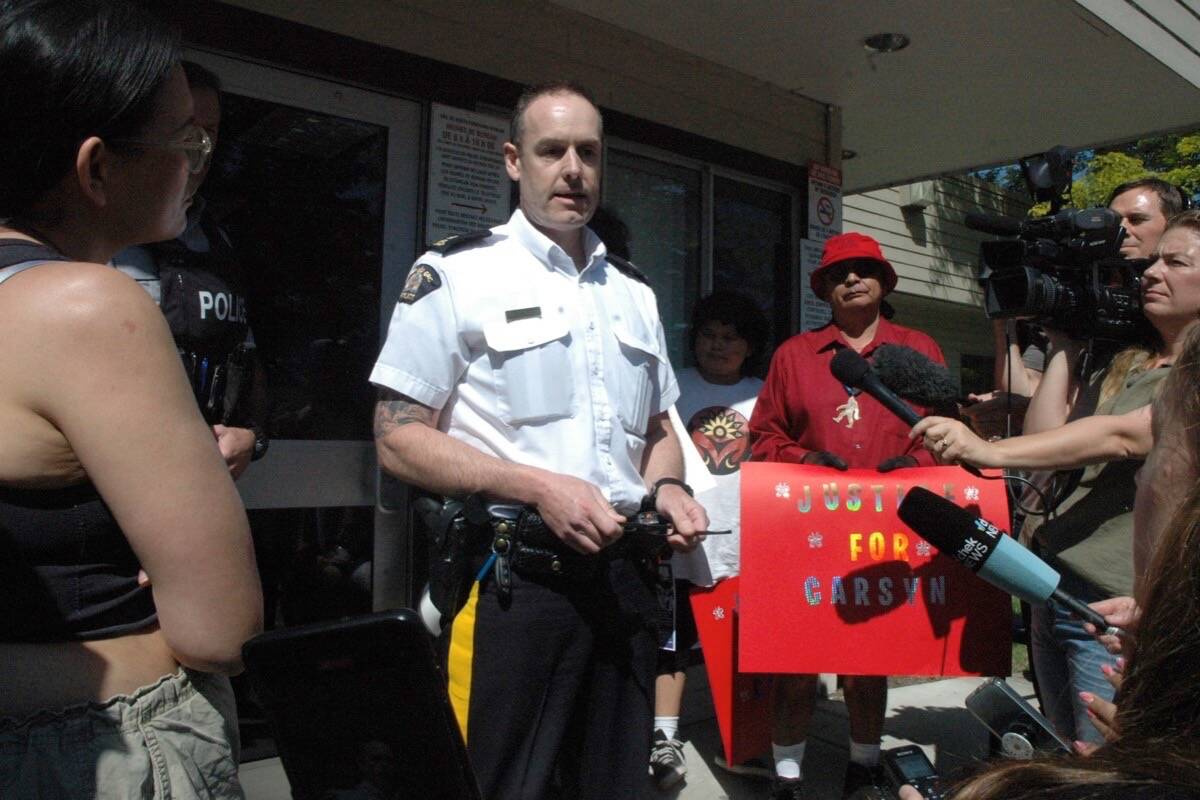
x: 195, y: 279
x: 526, y: 364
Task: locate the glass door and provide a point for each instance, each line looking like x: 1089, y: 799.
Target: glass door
x: 315, y: 185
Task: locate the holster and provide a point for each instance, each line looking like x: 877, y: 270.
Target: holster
x: 453, y: 540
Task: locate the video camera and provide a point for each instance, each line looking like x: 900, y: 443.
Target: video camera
x: 1065, y: 271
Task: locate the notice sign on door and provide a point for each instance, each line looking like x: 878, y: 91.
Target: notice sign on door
x: 468, y: 187
x: 814, y: 312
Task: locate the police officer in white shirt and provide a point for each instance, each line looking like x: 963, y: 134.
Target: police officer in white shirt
x: 525, y: 364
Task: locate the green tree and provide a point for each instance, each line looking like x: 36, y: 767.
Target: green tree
x: 1174, y: 157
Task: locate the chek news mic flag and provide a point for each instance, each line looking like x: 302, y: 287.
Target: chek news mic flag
x: 989, y: 552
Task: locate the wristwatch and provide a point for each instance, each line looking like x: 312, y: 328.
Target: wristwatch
x: 261, y: 443
x: 658, y: 484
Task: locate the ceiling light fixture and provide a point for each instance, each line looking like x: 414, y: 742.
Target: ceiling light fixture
x: 885, y: 43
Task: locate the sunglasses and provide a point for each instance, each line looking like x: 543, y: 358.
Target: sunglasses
x: 863, y: 268
x: 196, y: 143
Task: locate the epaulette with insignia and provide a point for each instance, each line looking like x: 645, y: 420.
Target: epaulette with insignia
x: 452, y: 243
x: 627, y: 267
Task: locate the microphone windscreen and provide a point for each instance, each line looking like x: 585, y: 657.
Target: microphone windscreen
x: 849, y: 367
x: 914, y: 376
x: 978, y: 545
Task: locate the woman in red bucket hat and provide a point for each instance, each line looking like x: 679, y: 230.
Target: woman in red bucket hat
x: 805, y: 415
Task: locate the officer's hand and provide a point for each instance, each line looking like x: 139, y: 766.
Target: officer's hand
x: 824, y: 458
x: 688, y: 518
x: 236, y: 446
x: 909, y: 793
x: 897, y: 462
x: 577, y: 513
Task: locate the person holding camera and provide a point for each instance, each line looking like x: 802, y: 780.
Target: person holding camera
x: 1090, y: 537
x: 1145, y: 205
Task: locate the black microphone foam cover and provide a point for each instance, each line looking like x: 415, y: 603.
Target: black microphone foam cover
x: 849, y: 367
x: 914, y: 376
x: 948, y: 527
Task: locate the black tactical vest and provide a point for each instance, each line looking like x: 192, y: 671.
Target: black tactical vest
x: 204, y: 302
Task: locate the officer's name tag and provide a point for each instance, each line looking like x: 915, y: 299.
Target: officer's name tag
x: 517, y: 314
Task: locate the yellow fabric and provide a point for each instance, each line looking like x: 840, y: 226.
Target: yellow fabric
x: 461, y: 657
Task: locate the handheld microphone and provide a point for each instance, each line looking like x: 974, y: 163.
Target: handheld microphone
x: 990, y: 553
x: 853, y: 370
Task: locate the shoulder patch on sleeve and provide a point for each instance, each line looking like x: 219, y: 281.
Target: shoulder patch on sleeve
x: 422, y: 280
x: 627, y: 268
x: 452, y: 243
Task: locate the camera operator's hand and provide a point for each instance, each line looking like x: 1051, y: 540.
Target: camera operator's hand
x: 824, y: 458
x: 1062, y: 340
x: 909, y: 793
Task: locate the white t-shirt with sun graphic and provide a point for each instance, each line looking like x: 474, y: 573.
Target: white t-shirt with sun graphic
x: 718, y: 419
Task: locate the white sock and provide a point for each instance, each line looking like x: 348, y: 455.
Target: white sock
x: 668, y: 725
x: 788, y: 758
x: 866, y: 755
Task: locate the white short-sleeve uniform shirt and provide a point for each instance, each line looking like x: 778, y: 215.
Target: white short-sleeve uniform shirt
x: 532, y: 360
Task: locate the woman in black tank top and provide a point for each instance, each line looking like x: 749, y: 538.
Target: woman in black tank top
x: 127, y: 576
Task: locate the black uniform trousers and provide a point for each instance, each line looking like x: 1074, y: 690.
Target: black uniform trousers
x: 555, y: 687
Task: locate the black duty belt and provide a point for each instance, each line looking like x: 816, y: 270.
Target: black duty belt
x: 522, y: 542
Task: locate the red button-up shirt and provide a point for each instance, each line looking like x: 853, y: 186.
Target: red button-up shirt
x: 795, y: 411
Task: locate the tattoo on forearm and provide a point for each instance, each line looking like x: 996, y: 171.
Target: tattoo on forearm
x: 394, y: 410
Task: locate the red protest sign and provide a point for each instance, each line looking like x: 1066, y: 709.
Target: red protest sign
x: 833, y: 581
x: 742, y: 702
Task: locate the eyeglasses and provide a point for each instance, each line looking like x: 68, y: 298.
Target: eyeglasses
x: 196, y: 143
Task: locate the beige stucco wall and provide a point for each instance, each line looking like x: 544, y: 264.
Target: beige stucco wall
x: 529, y: 41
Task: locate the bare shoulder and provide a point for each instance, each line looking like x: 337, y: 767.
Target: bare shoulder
x: 78, y: 300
